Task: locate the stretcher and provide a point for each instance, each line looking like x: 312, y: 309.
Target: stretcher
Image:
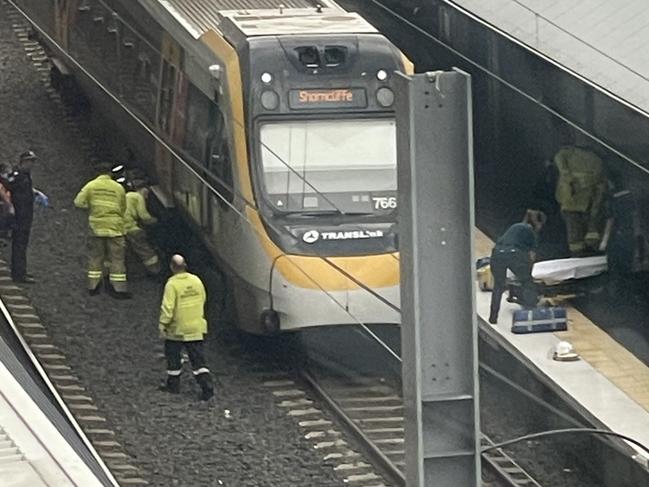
x: 561, y: 279
x: 558, y: 278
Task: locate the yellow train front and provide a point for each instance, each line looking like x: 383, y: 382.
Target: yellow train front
x: 287, y: 113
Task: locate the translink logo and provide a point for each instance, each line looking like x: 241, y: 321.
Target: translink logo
x: 313, y: 236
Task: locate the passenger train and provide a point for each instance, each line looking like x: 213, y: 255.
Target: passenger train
x: 275, y: 137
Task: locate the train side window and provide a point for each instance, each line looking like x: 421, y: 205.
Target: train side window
x: 206, y: 139
x: 197, y: 123
x: 219, y: 161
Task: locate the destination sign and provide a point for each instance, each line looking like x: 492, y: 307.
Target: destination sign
x: 327, y: 98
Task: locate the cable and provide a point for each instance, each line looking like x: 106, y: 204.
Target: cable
x: 509, y: 85
x: 544, y: 434
x: 208, y: 185
x: 497, y: 375
x: 582, y: 41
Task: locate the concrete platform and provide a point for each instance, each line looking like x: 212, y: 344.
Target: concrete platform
x: 33, y: 453
x: 608, y: 381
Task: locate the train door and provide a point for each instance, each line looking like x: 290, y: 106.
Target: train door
x: 219, y: 164
x: 169, y: 118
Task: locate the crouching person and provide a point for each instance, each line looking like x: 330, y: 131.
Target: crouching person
x: 516, y: 250
x: 183, y: 324
x: 136, y: 215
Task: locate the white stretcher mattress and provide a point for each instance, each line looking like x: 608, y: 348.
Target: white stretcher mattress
x: 552, y: 272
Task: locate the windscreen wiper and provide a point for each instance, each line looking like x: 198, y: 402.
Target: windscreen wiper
x: 329, y: 212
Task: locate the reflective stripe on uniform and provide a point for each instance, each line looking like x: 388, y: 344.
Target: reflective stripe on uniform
x: 576, y: 246
x: 118, y: 277
x: 151, y: 261
x: 174, y: 373
x: 94, y: 274
x: 202, y: 370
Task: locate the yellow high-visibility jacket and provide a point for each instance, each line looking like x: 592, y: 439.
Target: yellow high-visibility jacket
x: 136, y: 212
x: 582, y: 183
x: 182, y: 316
x: 106, y: 201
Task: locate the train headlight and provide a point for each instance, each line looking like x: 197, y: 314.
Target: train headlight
x: 385, y: 97
x: 269, y: 100
x: 266, y: 78
x: 381, y: 75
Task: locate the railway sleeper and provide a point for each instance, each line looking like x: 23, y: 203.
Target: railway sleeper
x: 346, y: 467
x: 361, y: 478
x: 322, y: 434
x: 344, y: 455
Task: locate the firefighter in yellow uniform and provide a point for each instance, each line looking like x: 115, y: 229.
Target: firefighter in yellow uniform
x: 183, y: 324
x: 105, y: 201
x: 136, y: 213
x: 580, y: 192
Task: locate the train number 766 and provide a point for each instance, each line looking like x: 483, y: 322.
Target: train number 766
x: 384, y: 202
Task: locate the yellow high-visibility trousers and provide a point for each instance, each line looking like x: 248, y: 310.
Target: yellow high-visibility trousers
x: 111, y: 250
x: 583, y: 232
x: 137, y: 241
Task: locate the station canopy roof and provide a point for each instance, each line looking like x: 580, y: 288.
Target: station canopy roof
x: 604, y: 41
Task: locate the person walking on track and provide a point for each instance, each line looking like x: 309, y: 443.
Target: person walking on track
x: 516, y: 250
x: 136, y: 213
x: 105, y: 201
x: 23, y: 196
x: 183, y: 324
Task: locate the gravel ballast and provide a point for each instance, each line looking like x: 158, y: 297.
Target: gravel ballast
x: 113, y: 346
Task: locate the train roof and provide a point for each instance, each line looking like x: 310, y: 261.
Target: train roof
x: 252, y: 18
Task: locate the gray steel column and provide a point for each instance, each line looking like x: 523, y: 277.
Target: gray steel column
x: 439, y: 328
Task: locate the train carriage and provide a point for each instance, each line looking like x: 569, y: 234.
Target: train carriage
x: 275, y: 137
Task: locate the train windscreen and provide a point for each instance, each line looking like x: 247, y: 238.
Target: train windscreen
x: 348, y: 165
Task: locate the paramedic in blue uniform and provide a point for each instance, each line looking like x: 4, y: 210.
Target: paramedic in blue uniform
x: 516, y: 250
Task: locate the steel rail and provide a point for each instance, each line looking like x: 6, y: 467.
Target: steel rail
x: 377, y: 456
x: 42, y: 374
x: 506, y: 469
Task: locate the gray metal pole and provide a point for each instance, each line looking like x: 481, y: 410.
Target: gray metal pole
x: 439, y: 328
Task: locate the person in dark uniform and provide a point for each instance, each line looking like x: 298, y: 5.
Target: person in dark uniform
x: 620, y: 248
x: 23, y: 194
x: 516, y: 250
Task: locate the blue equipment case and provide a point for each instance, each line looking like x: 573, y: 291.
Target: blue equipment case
x: 539, y: 319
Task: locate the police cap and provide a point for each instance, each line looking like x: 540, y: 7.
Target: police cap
x: 28, y: 155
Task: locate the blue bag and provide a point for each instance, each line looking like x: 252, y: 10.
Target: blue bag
x: 539, y: 319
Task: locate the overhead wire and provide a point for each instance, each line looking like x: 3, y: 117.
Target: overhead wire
x: 216, y: 192
x: 240, y: 124
x: 511, y: 86
x: 554, y: 410
x: 582, y: 41
x: 291, y: 169
x: 137, y: 118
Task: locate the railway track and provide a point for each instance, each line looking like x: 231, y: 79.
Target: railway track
x: 372, y: 411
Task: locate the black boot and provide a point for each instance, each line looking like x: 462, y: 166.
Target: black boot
x: 117, y: 295
x: 493, y: 318
x: 172, y: 385
x: 207, y: 390
x: 96, y: 291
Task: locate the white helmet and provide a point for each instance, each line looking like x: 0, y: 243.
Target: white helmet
x: 565, y: 352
